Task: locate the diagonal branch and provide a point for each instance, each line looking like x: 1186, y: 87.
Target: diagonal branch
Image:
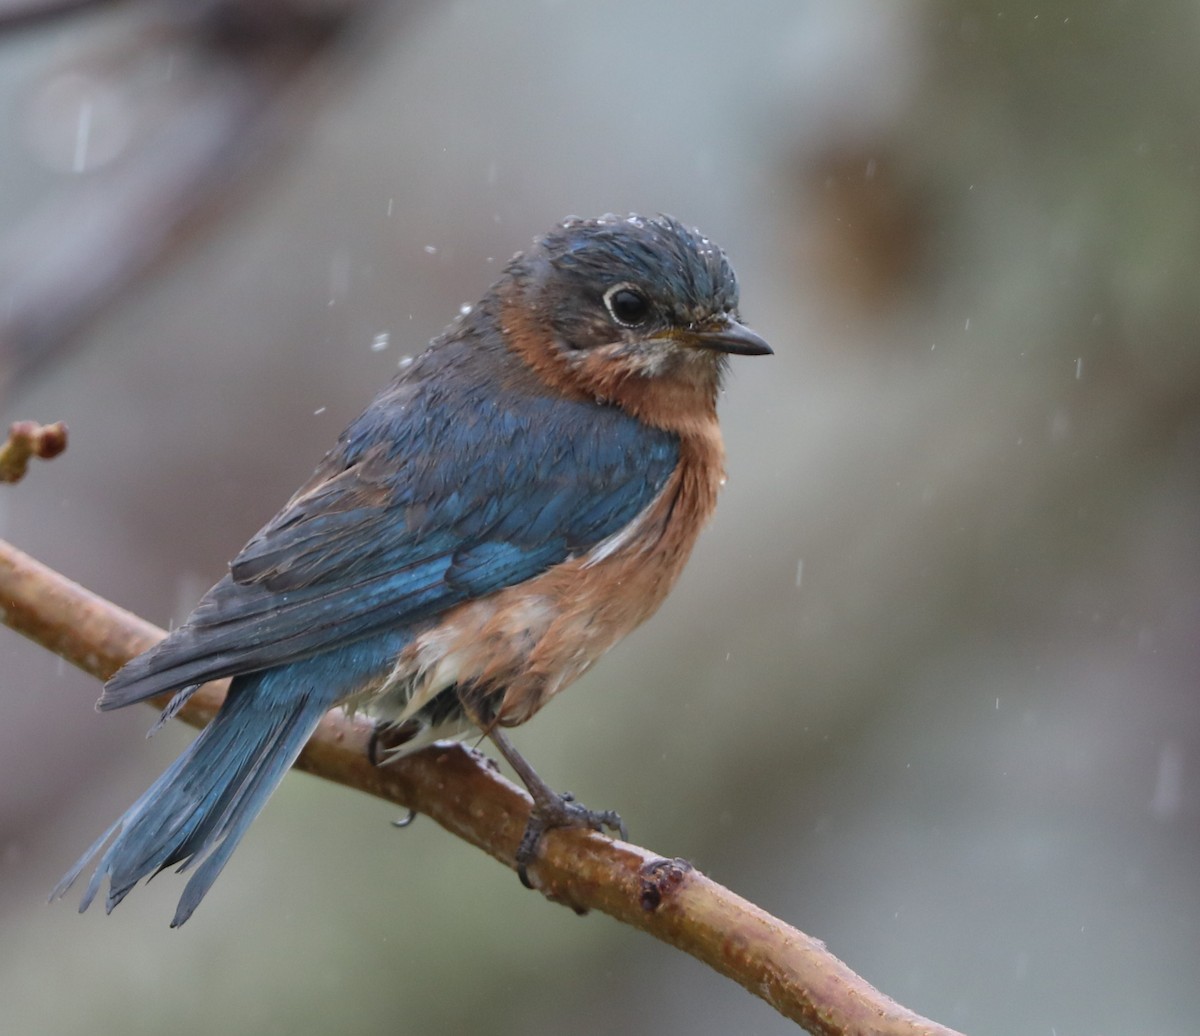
x: 461, y: 790
x: 234, y: 98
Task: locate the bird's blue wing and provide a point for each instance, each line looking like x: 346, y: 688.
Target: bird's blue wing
x: 436, y: 495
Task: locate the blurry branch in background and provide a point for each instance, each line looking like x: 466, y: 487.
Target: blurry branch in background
x: 462, y: 791
x: 26, y: 440
x: 18, y: 12
x: 164, y: 124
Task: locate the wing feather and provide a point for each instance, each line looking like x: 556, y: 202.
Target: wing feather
x: 430, y: 498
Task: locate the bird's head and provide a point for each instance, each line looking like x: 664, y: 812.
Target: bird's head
x: 633, y: 311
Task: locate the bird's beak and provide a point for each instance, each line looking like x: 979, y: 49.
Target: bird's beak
x: 731, y: 337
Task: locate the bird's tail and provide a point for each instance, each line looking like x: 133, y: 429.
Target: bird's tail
x: 198, y: 810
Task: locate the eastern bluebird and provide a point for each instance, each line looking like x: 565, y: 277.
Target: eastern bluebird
x: 522, y: 495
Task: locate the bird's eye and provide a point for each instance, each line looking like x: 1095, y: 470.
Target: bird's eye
x: 627, y: 305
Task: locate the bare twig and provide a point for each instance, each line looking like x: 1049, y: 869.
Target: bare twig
x: 26, y: 440
x: 460, y: 790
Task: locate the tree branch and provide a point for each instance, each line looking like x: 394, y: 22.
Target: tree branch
x: 234, y: 98
x: 459, y: 789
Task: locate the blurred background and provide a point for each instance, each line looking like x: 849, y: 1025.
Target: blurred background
x: 928, y: 689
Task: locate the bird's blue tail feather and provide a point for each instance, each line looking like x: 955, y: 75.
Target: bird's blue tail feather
x: 198, y: 810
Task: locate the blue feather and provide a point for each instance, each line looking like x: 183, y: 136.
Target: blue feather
x: 196, y: 813
x: 411, y: 500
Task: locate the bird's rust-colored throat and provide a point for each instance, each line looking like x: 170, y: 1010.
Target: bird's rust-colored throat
x: 682, y: 400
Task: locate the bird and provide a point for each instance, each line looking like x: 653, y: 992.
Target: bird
x: 522, y: 495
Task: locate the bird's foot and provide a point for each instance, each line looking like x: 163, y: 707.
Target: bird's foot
x: 560, y: 811
x: 550, y: 810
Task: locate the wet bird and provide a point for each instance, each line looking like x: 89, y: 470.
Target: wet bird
x: 520, y: 497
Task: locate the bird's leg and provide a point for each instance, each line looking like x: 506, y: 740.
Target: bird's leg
x: 550, y: 809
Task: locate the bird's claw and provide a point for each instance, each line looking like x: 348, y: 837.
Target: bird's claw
x: 561, y: 811
x: 406, y: 820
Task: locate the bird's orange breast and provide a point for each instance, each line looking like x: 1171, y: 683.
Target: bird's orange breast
x: 524, y: 644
